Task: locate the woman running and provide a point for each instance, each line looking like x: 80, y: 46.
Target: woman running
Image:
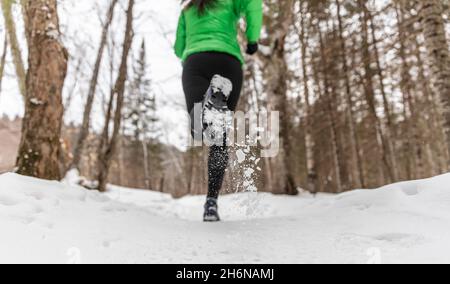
x: 207, y: 43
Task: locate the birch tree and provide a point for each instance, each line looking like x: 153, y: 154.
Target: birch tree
x: 432, y: 21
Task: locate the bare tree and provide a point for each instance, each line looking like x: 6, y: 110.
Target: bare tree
x: 14, y: 44
x: 431, y: 12
x: 331, y: 114
x: 139, y: 112
x: 108, y: 144
x: 353, y: 137
x: 47, y: 60
x: 309, y: 138
x: 370, y: 95
x: 3, y: 61
x: 84, y: 129
x: 276, y: 73
x: 389, y: 123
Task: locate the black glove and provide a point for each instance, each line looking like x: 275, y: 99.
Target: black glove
x: 252, y: 48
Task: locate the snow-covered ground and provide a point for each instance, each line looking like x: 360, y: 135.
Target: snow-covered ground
x: 51, y: 222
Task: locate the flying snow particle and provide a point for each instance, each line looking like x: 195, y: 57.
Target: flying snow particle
x: 249, y: 172
x: 240, y: 155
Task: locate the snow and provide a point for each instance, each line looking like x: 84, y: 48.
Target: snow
x: 36, y: 101
x: 222, y: 84
x: 240, y: 156
x: 53, y: 222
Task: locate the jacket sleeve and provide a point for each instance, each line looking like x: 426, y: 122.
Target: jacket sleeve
x: 253, y: 12
x: 180, y: 43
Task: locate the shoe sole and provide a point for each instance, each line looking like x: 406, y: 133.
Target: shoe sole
x: 211, y: 219
x: 215, y: 107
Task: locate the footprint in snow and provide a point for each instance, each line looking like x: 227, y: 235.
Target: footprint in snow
x: 8, y: 201
x: 406, y: 240
x: 46, y: 225
x: 36, y: 195
x: 99, y: 198
x: 411, y: 190
x: 352, y: 241
x: 36, y: 209
x: 26, y: 220
x: 114, y: 208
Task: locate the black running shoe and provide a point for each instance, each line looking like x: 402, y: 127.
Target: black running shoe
x: 211, y: 211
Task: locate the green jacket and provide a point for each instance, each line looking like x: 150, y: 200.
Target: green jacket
x: 217, y: 28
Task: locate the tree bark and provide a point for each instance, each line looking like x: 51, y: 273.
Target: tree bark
x: 413, y: 132
x: 84, y: 129
x: 280, y: 90
x: 308, y: 121
x: 369, y: 93
x: 330, y: 98
x: 438, y: 160
x: 47, y: 60
x: 389, y: 123
x: 109, y: 145
x: 353, y: 137
x: 276, y: 75
x: 432, y: 21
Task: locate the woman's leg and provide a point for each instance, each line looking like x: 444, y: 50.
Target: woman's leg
x: 195, y: 85
x: 219, y: 155
x: 217, y: 165
x: 231, y: 69
x: 198, y: 72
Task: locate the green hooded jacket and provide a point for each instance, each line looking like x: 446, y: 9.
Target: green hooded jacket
x: 217, y: 28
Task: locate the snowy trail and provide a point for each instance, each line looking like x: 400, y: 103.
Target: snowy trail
x: 50, y: 222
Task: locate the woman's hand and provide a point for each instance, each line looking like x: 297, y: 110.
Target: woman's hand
x: 252, y: 48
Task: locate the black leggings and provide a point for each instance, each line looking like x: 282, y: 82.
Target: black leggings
x: 198, y: 71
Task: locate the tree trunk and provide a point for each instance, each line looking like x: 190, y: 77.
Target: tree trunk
x: 389, y: 124
x: 308, y: 121
x: 330, y: 97
x: 10, y: 27
x: 438, y: 160
x: 413, y: 131
x: 84, y: 129
x: 432, y: 21
x: 146, y: 163
x: 190, y: 169
x: 47, y: 60
x: 277, y: 72
x: 3, y: 61
x: 353, y: 137
x: 109, y: 145
x: 369, y: 93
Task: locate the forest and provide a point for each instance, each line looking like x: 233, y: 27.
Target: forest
x: 362, y: 88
